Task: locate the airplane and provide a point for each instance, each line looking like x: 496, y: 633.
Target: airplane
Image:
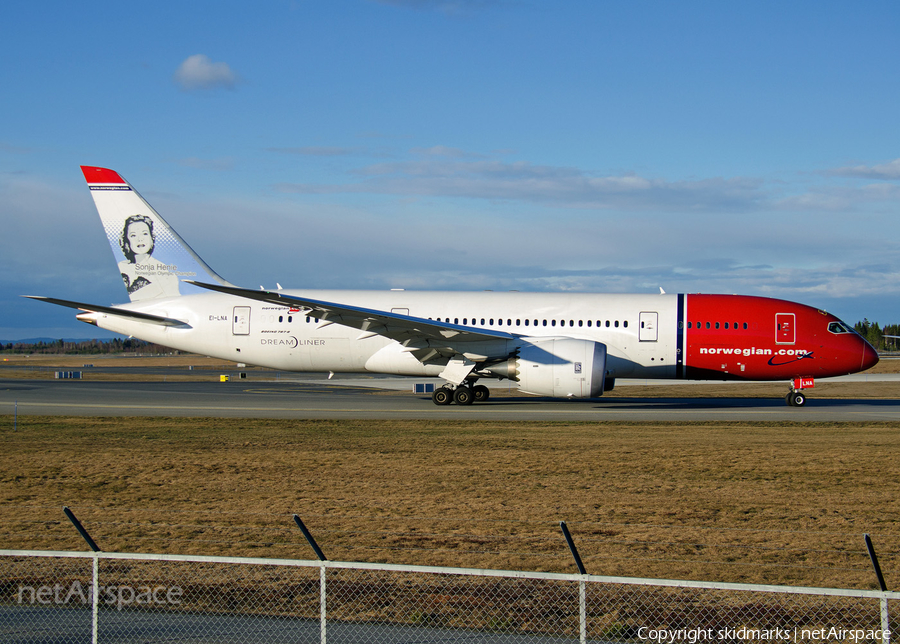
x: 550, y: 344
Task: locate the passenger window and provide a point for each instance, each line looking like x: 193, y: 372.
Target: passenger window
x: 625, y: 324
x: 617, y: 324
x: 717, y: 325
x: 552, y: 323
x: 526, y: 323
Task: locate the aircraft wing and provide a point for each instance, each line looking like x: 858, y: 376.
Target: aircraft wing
x: 109, y: 310
x: 413, y: 332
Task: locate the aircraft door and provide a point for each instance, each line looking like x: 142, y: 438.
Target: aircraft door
x: 241, y: 322
x: 648, y: 326
x: 785, y: 328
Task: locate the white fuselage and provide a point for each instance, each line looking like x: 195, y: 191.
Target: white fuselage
x: 274, y: 336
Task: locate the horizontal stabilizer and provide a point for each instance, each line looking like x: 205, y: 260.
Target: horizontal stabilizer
x: 109, y: 310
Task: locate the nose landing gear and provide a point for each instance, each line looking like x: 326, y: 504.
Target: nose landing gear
x: 796, y: 397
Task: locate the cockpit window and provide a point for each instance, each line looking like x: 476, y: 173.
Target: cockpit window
x: 839, y: 327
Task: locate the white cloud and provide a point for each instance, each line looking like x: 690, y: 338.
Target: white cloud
x: 889, y: 171
x: 198, y: 72
x: 446, y: 151
x: 442, y: 174
x: 843, y: 198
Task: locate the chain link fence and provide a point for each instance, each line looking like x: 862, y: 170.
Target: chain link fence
x: 115, y: 597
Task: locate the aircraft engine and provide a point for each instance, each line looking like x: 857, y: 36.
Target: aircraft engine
x: 558, y: 367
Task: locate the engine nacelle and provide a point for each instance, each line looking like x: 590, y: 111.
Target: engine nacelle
x: 559, y: 367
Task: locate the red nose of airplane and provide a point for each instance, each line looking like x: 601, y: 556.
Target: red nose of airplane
x: 869, y: 356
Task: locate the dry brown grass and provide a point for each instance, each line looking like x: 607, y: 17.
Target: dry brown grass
x: 762, y: 502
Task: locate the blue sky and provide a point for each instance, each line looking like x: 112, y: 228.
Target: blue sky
x: 535, y: 145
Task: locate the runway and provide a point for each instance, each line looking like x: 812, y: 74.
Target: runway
x: 346, y: 400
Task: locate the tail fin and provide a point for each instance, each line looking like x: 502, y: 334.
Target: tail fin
x: 153, y: 259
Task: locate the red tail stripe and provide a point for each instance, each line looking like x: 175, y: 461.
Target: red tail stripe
x: 101, y: 175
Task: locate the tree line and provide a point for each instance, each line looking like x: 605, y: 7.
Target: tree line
x: 87, y: 347
x: 877, y: 335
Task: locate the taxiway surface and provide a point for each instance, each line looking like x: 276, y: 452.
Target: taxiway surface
x: 317, y: 399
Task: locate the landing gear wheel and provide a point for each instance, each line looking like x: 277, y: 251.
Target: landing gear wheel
x: 442, y: 396
x: 481, y: 392
x: 796, y: 399
x: 463, y: 396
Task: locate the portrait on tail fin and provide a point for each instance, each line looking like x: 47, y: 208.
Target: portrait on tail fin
x: 145, y: 277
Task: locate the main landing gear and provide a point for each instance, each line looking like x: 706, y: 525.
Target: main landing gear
x: 464, y: 394
x: 795, y: 397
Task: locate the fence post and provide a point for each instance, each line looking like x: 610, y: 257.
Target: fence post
x: 885, y: 617
x: 95, y: 581
x: 323, y: 619
x: 565, y: 529
x: 582, y: 611
x: 84, y: 533
x: 582, y: 587
x: 95, y: 598
x: 310, y: 539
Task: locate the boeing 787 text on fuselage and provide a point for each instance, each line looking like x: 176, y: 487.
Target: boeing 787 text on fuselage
x: 551, y: 344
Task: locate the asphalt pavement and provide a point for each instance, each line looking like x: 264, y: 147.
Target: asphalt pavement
x: 384, y: 399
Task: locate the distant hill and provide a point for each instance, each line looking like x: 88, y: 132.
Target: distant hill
x: 49, y: 340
